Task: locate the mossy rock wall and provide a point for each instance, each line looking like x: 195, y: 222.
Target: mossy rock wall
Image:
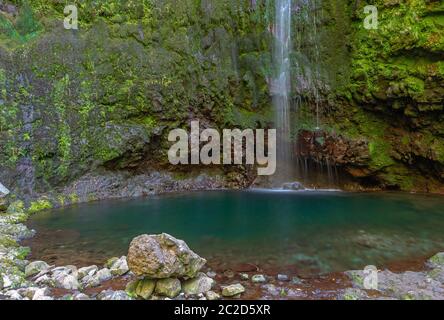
x: 105, y: 96
x: 395, y: 94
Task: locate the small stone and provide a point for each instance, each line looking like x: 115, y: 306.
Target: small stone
x: 436, y: 261
x: 119, y: 267
x: 42, y: 294
x: 168, y: 287
x: 13, y: 295
x: 244, y: 276
x: 295, y: 186
x: 354, y: 294
x: 181, y: 296
x: 233, y: 290
x: 272, y: 289
x: 45, y: 280
x: 211, y: 274
x: 65, y: 277
x: 81, y: 296
x: 113, y: 295
x: 211, y: 295
x: 145, y: 288
x: 87, y: 271
x: 3, y: 204
x: 229, y: 273
x: 67, y: 281
x: 103, y: 275
x: 35, y: 267
x: 296, y: 280
x: 110, y: 262
x: 131, y: 287
x: 258, y: 278
x: 201, y: 284
x: 282, y: 277
x: 96, y: 278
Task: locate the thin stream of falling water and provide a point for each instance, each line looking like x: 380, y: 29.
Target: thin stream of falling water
x: 281, y: 88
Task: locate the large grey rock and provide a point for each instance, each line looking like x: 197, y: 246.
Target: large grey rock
x: 200, y: 284
x: 67, y: 281
x: 66, y: 277
x: 35, y: 267
x: 163, y: 256
x: 168, y: 287
x: 17, y: 231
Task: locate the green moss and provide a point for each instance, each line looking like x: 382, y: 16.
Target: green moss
x: 22, y: 252
x: 39, y: 205
x: 17, y: 207
x: 7, y: 241
x: 74, y: 198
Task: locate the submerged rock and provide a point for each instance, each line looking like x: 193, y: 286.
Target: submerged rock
x: 201, y: 284
x: 283, y: 277
x: 258, y: 278
x: 211, y: 295
x: 244, y: 276
x: 295, y: 186
x: 168, y: 287
x: 233, y: 290
x: 163, y: 256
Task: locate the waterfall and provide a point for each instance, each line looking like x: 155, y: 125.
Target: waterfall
x: 281, y: 87
x: 296, y: 83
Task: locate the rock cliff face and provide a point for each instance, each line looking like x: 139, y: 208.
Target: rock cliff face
x: 100, y: 101
x: 104, y: 98
x: 394, y: 97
